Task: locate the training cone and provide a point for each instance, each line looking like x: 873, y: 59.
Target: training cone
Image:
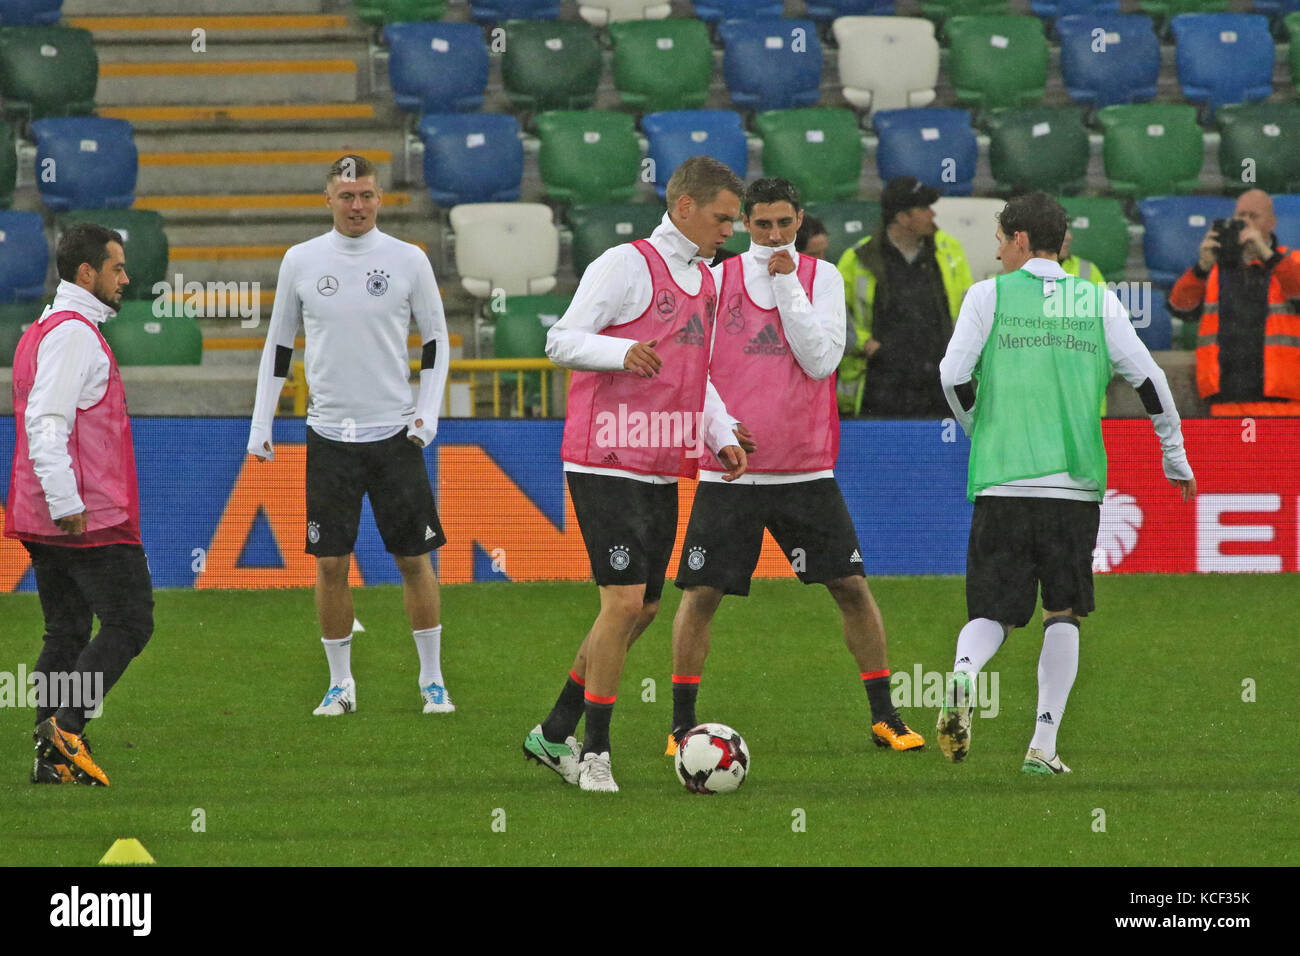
x: 357, y: 627
x: 128, y: 850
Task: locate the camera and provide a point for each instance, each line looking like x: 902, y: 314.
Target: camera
x: 1228, y: 234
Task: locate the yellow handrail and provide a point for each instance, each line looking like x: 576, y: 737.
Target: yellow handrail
x: 296, y: 385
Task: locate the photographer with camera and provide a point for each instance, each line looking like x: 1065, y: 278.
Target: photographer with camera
x: 1241, y: 288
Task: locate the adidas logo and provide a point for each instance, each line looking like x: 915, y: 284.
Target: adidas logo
x: 1046, y: 717
x: 428, y: 533
x: 855, y: 557
x: 610, y: 459
x: 767, y: 342
x: 692, y: 333
x: 964, y: 660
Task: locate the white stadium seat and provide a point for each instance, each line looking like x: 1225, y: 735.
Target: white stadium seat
x: 601, y: 13
x: 512, y: 246
x: 887, y: 63
x: 972, y: 222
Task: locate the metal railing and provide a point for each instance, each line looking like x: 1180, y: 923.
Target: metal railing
x: 463, y: 372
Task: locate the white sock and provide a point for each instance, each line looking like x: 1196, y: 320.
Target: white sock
x: 1057, y: 666
x: 428, y: 643
x: 339, y: 655
x: 978, y: 641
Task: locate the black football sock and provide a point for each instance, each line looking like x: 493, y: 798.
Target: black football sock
x: 564, y: 716
x: 685, y: 690
x: 877, y: 684
x: 596, y: 739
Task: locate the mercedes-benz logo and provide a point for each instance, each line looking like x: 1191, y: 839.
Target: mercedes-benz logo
x: 327, y: 285
x: 735, y: 322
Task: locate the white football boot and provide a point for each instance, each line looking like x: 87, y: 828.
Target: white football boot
x: 339, y: 699
x: 594, y: 773
x: 436, y: 699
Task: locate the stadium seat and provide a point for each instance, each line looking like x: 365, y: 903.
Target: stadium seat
x: 662, y: 64
x: 437, y: 67
x: 48, y: 71
x: 550, y: 65
x: 1051, y: 9
x: 772, y: 63
x: 1155, y: 328
x: 847, y: 223
x: 1287, y: 209
x: 973, y: 222
x: 14, y: 320
x: 144, y: 242
x: 377, y: 13
x: 1162, y: 11
x: 1259, y: 147
x: 1124, y: 70
x: 887, y: 63
x: 1223, y: 57
x: 597, y: 228
x: 601, y: 13
x: 819, y: 150
x: 498, y: 11
x: 588, y: 156
x: 471, y: 157
x: 521, y: 328
x: 1100, y: 232
x: 1151, y: 149
x: 941, y: 10
x: 24, y: 257
x: 8, y: 165
x: 1174, y: 227
x: 513, y: 247
x: 997, y: 61
x: 138, y: 337
x: 824, y: 10
x: 715, y: 11
x: 85, y: 162
x: 1040, y: 147
x: 676, y: 136
x: 937, y: 146
x: 30, y: 13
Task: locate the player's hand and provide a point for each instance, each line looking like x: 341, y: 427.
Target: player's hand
x: 72, y: 524
x: 262, y: 450
x: 733, y: 459
x: 871, y: 347
x: 1185, y: 486
x: 781, y: 262
x: 745, y: 438
x: 642, y: 359
x: 419, y: 435
x: 1208, y: 252
x: 1254, y: 245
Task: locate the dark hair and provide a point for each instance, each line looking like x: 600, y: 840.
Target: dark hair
x: 1039, y: 215
x: 350, y: 168
x: 770, y: 190
x: 702, y: 178
x: 811, y: 226
x: 84, y: 242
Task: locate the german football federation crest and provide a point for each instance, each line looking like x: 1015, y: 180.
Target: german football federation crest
x: 695, y: 559
x: 313, y: 532
x: 619, y: 559
x: 377, y: 282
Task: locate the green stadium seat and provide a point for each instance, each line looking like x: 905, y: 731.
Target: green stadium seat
x: 1100, y: 232
x: 8, y: 165
x: 995, y: 61
x: 1040, y: 147
x: 521, y: 333
x: 847, y: 223
x: 48, y: 71
x: 588, y: 156
x: 550, y: 65
x: 817, y: 149
x: 1291, y: 24
x: 376, y: 13
x: 941, y: 10
x: 1162, y: 11
x: 138, y: 337
x: 146, y: 247
x: 662, y: 65
x: 1259, y: 147
x: 14, y: 319
x: 597, y: 228
x: 1151, y: 149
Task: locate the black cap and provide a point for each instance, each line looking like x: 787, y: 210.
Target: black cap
x: 904, y: 193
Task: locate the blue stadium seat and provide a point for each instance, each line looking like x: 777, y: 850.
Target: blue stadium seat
x: 85, y: 162
x: 676, y: 136
x: 1051, y: 9
x: 30, y: 13
x: 1223, y: 57
x: 1155, y: 328
x: 772, y: 63
x: 471, y: 157
x: 1174, y: 227
x: 498, y: 11
x: 1276, y: 8
x: 437, y: 67
x: 24, y: 257
x: 715, y: 11
x: 823, y: 10
x: 1287, y: 209
x: 1127, y: 69
x: 937, y: 146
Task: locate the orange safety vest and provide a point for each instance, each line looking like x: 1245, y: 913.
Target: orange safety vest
x: 1281, y: 345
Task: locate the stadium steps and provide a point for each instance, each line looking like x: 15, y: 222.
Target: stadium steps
x: 79, y: 8
x: 216, y: 29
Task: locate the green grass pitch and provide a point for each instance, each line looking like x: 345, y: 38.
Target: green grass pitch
x: 216, y: 716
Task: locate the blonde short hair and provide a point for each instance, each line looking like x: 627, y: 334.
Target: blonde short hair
x: 702, y: 178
